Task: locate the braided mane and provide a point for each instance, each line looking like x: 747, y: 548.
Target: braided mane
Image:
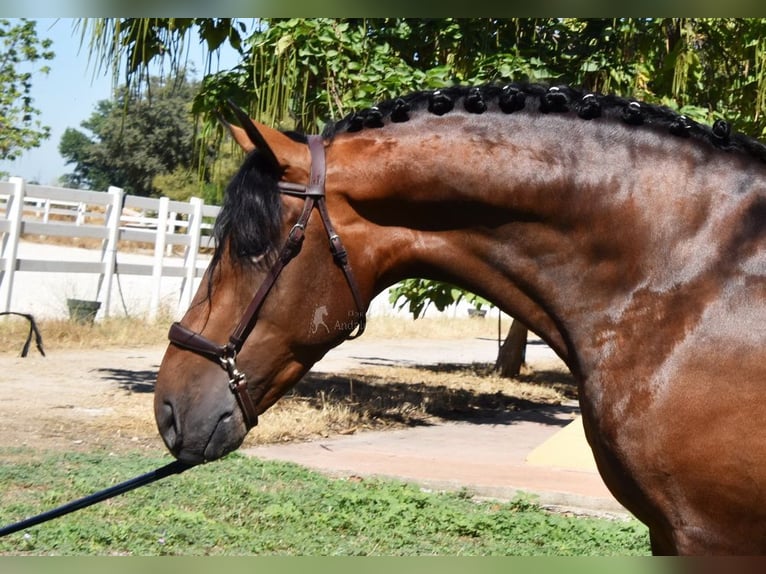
x: 539, y: 98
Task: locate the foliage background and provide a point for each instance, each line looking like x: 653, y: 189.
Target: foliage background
x: 22, y: 57
x: 134, y: 138
x: 296, y: 73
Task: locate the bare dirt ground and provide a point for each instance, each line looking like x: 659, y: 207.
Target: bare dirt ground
x: 102, y: 399
x: 80, y: 400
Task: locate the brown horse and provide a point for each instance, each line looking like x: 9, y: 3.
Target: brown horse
x: 630, y: 238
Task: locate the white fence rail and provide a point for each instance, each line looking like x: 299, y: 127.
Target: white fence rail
x: 109, y: 219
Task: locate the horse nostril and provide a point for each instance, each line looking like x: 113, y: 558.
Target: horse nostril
x: 168, y: 425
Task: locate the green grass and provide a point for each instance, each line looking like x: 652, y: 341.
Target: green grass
x: 243, y: 506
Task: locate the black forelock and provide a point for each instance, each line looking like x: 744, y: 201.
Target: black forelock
x: 249, y: 221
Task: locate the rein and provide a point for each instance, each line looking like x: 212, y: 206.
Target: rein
x: 175, y: 467
x: 226, y: 355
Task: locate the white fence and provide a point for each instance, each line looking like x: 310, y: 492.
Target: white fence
x: 109, y: 220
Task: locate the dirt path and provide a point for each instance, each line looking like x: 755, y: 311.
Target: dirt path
x: 102, y: 399
x: 80, y: 399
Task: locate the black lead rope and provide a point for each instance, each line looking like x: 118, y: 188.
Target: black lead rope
x: 175, y: 467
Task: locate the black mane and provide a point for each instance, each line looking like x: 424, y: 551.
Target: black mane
x: 532, y: 98
x: 251, y: 213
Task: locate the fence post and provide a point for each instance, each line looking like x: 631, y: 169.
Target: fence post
x: 82, y: 208
x: 159, y: 254
x: 194, y: 230
x: 10, y: 246
x: 109, y: 248
x: 172, y: 217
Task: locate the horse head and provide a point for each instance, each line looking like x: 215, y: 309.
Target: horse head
x: 251, y: 330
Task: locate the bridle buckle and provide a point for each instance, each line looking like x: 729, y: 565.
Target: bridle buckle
x: 229, y: 364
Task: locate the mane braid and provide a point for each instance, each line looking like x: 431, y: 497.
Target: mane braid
x: 539, y: 98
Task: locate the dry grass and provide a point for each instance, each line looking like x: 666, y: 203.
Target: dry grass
x: 61, y: 334
x: 389, y: 327
x: 394, y: 397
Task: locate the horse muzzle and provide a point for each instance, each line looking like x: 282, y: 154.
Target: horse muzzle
x: 203, y: 421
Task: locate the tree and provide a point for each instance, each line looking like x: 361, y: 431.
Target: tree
x: 183, y: 182
x: 21, y: 51
x: 75, y: 147
x: 134, y: 138
x: 303, y: 71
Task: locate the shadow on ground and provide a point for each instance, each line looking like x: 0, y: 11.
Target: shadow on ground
x: 135, y: 381
x: 380, y: 393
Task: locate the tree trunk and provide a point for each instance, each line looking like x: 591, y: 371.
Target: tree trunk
x: 512, y: 354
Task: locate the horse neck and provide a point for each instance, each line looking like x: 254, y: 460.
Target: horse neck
x: 557, y: 234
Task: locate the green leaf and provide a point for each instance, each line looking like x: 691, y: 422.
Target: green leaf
x: 283, y: 43
x: 20, y: 52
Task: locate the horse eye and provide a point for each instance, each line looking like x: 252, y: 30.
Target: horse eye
x: 257, y: 259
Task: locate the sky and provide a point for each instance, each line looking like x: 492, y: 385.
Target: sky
x: 67, y: 96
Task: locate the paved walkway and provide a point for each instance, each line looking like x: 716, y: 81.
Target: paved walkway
x: 541, y: 451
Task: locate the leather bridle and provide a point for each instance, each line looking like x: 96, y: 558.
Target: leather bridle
x: 226, y: 355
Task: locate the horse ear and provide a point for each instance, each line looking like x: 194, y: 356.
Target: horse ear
x: 281, y: 151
